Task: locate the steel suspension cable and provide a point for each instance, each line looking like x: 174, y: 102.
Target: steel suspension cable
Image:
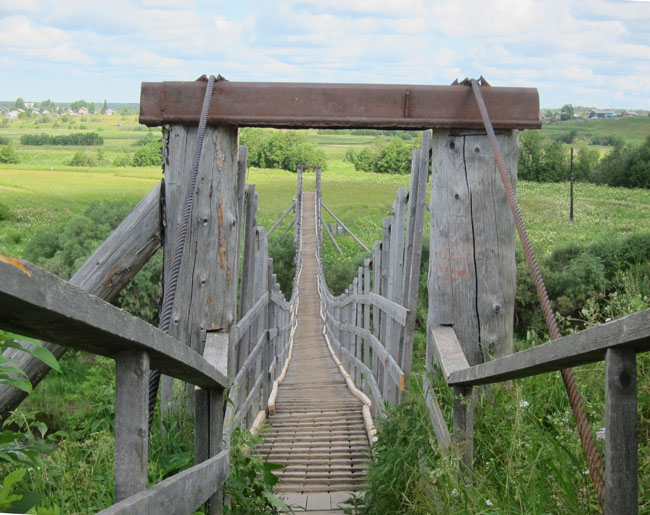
x: 577, y: 406
x: 181, y: 235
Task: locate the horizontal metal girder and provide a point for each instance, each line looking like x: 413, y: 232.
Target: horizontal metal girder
x: 337, y: 106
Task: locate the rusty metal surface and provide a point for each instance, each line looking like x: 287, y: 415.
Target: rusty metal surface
x: 313, y: 105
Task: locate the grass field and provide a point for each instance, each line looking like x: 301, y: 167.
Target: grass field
x: 631, y: 130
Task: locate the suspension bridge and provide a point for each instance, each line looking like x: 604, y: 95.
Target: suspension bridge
x: 317, y: 368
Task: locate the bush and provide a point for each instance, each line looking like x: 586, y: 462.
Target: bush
x: 149, y: 155
x: 4, y: 140
x: 64, y: 248
x: 85, y: 158
x: 122, y: 159
x: 5, y: 213
x: 283, y: 253
x: 277, y: 149
x: 384, y: 156
x: 8, y: 154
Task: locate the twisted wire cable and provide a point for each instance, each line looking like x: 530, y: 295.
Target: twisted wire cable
x: 575, y: 400
x: 181, y: 235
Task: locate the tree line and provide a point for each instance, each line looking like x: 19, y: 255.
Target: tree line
x: 544, y: 160
x: 79, y: 138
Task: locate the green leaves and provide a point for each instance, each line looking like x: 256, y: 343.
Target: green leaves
x: 9, y: 372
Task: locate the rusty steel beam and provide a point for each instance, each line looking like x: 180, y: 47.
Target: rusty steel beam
x: 337, y: 106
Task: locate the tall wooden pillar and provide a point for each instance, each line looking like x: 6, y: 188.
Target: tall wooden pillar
x: 207, y: 284
x: 472, y: 271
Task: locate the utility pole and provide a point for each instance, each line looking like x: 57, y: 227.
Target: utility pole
x: 571, y: 208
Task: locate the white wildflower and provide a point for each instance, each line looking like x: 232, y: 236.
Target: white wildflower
x: 600, y: 434
x: 524, y: 404
x: 488, y: 502
x: 454, y: 493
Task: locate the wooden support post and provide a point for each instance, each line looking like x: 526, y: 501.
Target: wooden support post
x: 248, y: 271
x: 376, y: 312
x: 621, y: 451
x: 394, y: 288
x: 472, y: 243
x: 104, y: 275
x: 267, y: 352
x: 366, y: 317
x: 417, y: 203
x: 385, y: 262
x: 464, y: 425
x: 357, y: 314
x: 131, y: 422
x: 329, y: 233
x: 261, y: 286
x: 472, y: 254
x: 206, y: 295
x: 272, y: 323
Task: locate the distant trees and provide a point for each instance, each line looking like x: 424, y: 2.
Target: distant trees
x: 567, y: 112
x: 19, y: 103
x: 47, y: 105
x: 148, y: 155
x: 280, y: 149
x: 545, y: 160
x: 79, y: 138
x: 104, y: 107
x: 384, y: 156
x: 625, y: 165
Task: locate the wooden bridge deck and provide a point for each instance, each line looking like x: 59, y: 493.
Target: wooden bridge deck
x: 318, y: 431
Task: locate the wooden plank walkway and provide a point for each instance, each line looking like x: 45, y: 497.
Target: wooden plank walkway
x: 318, y: 431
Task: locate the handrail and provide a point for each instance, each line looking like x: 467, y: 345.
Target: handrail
x: 616, y: 343
x: 36, y: 303
x: 588, y: 346
x: 375, y: 345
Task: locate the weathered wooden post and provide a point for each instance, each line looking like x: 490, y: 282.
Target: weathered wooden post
x: 621, y: 440
x: 131, y: 422
x: 394, y: 287
x: 206, y: 295
x: 472, y: 273
x: 413, y: 252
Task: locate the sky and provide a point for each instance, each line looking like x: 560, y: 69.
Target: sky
x: 584, y: 52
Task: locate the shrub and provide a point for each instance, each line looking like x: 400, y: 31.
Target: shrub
x: 149, y: 155
x: 384, y: 156
x: 283, y: 253
x: 5, y: 212
x: 4, y: 140
x: 122, y: 159
x: 8, y: 154
x: 85, y: 158
x: 277, y: 149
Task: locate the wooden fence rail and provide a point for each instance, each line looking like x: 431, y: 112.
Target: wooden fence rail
x: 35, y: 303
x: 246, y: 357
x: 616, y: 342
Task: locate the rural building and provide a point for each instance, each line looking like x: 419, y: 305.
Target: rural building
x: 598, y: 113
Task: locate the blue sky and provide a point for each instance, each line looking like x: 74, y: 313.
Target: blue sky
x: 588, y: 52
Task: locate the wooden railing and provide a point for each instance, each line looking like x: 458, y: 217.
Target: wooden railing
x: 262, y: 338
x: 616, y: 343
x: 36, y: 303
x: 246, y: 357
x: 370, y: 326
